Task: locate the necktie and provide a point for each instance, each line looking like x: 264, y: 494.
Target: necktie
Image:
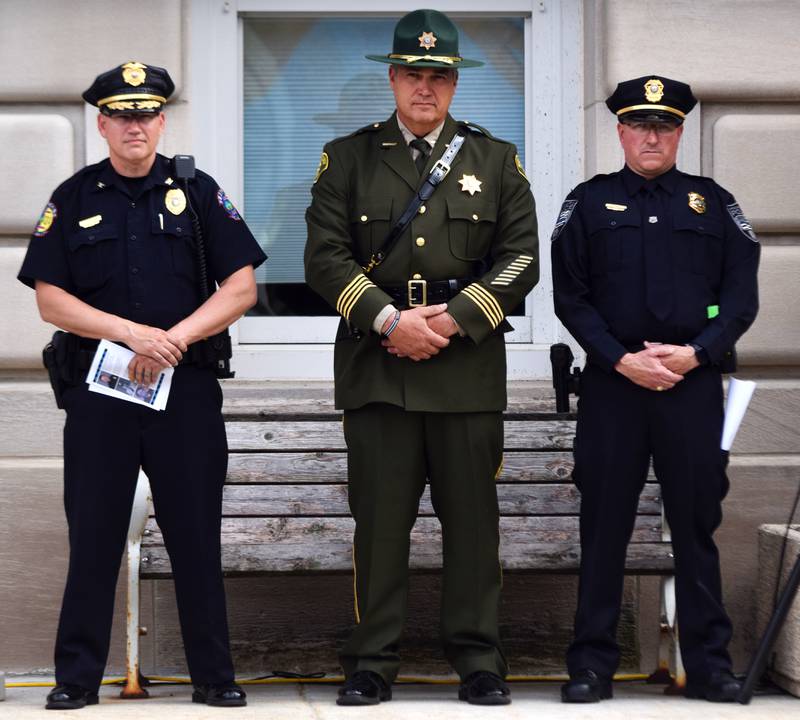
x: 424, y: 150
x: 657, y: 260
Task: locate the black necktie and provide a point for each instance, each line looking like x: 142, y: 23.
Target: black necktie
x: 657, y: 260
x: 424, y: 150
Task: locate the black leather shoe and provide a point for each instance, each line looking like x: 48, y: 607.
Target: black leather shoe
x: 484, y: 688
x: 70, y: 697
x: 221, y: 695
x: 364, y: 687
x: 720, y: 687
x: 585, y: 686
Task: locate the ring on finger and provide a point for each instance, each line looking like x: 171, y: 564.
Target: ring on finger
x: 659, y: 388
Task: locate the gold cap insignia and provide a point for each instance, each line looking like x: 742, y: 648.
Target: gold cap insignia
x: 427, y: 40
x: 697, y: 202
x: 470, y: 184
x: 134, y: 73
x: 654, y: 90
x: 322, y: 167
x: 175, y: 201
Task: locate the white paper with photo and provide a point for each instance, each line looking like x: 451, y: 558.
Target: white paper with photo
x: 108, y: 375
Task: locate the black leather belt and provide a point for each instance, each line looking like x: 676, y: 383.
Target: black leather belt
x: 425, y: 292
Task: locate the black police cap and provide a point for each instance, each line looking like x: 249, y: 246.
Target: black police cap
x: 130, y: 88
x: 652, y: 98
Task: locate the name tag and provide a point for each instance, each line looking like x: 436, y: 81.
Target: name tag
x: 90, y: 221
x: 615, y: 206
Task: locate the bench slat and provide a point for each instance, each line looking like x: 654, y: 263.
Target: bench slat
x: 327, y: 435
x: 331, y: 500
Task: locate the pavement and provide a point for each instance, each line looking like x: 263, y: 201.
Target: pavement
x: 294, y: 701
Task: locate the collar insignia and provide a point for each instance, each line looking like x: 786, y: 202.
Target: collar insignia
x: 654, y: 90
x: 134, y: 73
x: 470, y: 184
x: 697, y: 202
x: 427, y: 40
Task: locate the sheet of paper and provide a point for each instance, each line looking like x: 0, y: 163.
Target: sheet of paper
x: 739, y: 394
x: 108, y: 375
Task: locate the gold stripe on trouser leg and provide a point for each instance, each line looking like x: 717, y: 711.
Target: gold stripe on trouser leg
x: 500, y: 564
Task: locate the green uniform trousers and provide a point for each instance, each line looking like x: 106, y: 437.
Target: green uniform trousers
x: 391, y: 452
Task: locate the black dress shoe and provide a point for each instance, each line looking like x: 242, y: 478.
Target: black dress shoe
x: 720, y: 687
x: 70, y: 697
x: 220, y: 695
x: 484, y: 688
x: 364, y: 687
x: 585, y: 686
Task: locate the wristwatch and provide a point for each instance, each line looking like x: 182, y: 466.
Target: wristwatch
x: 699, y: 352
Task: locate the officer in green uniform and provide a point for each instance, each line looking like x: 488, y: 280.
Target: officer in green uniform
x: 419, y: 361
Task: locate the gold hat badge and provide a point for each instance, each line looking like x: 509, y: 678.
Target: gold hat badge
x: 134, y: 73
x: 654, y: 90
x: 427, y: 40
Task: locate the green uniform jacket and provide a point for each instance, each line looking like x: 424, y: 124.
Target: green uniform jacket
x: 365, y: 182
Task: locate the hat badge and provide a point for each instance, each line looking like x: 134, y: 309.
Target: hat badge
x: 427, y: 40
x: 133, y: 73
x: 654, y: 90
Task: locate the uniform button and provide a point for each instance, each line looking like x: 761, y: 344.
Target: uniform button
x: 133, y: 237
x: 364, y: 218
x: 420, y: 241
x: 417, y: 276
x: 134, y: 270
x: 133, y: 204
x: 422, y: 209
x: 613, y: 222
x: 474, y: 216
x: 137, y: 305
x: 178, y: 230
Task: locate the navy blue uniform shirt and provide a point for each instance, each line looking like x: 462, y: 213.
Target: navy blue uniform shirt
x: 708, y: 262
x: 130, y: 254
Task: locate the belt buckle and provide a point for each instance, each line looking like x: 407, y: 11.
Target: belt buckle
x: 417, y: 293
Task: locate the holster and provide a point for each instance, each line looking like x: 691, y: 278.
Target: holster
x: 66, y: 357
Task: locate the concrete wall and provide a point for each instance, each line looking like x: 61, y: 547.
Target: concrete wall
x: 743, y: 60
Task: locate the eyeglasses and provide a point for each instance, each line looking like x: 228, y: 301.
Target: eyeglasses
x: 645, y: 128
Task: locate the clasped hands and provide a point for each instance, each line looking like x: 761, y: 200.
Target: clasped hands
x: 659, y: 366
x: 155, y: 350
x: 421, y: 332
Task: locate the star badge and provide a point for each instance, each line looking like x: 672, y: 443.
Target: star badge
x: 470, y: 184
x: 427, y: 40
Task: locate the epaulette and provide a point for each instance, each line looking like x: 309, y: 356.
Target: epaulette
x: 372, y: 127
x: 478, y: 130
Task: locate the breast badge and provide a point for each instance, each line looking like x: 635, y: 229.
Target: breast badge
x: 470, y: 184
x: 45, y: 222
x: 227, y: 205
x: 697, y: 202
x: 322, y: 167
x: 175, y: 201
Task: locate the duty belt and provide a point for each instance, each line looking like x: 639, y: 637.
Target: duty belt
x: 425, y: 292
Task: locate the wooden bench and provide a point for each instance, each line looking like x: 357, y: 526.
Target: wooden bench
x: 285, y: 507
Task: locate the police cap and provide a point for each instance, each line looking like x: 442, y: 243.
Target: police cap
x: 426, y: 38
x: 652, y: 98
x: 131, y: 88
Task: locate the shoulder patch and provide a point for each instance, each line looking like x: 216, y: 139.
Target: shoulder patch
x: 520, y: 169
x: 741, y: 221
x: 563, y: 217
x: 224, y: 202
x: 45, y: 221
x: 324, y: 163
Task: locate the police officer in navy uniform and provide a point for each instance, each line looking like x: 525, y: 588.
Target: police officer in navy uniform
x: 654, y: 274
x: 113, y: 256
x: 419, y: 360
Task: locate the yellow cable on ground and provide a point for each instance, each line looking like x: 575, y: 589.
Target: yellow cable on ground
x: 402, y: 679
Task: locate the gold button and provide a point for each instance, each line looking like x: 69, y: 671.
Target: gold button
x: 376, y: 125
x: 474, y: 216
x: 422, y: 209
x: 364, y: 218
x: 417, y: 276
x: 420, y: 241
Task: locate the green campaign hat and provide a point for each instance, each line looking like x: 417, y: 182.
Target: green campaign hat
x: 426, y: 38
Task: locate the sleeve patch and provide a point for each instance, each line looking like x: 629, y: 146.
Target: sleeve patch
x: 563, y: 217
x: 45, y: 221
x: 324, y: 164
x: 225, y: 203
x: 520, y: 169
x: 741, y: 221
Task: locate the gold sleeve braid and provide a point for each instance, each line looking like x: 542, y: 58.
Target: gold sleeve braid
x: 352, y: 294
x: 512, y: 270
x: 486, y: 302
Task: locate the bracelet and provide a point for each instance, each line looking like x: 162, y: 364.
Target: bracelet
x: 393, y: 324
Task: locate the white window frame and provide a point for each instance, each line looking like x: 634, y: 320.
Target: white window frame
x: 301, y: 347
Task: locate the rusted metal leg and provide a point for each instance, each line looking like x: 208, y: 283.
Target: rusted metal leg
x: 142, y: 505
x: 661, y: 675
